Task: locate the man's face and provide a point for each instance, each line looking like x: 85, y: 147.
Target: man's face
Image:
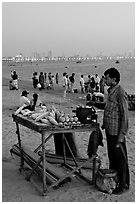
x: 108, y: 81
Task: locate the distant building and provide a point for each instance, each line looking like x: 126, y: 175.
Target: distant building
x: 50, y: 55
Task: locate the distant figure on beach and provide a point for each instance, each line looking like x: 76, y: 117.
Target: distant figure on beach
x: 97, y: 81
x: 72, y: 81
x: 11, y: 74
x: 52, y: 81
x: 15, y: 79
x: 82, y: 83
x: 45, y: 75
x: 41, y: 80
x: 57, y: 78
x: 24, y: 98
x: 11, y: 85
x: 49, y: 80
x: 92, y: 85
x: 35, y: 80
x: 64, y: 84
x: 102, y: 84
x: 68, y: 83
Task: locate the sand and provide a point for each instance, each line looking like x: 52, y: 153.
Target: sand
x: 14, y: 186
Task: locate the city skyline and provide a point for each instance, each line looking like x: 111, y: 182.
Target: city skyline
x: 68, y: 28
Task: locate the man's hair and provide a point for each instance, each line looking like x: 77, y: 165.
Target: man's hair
x: 113, y: 73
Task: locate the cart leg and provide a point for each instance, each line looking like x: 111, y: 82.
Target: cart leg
x: 45, y: 142
x: 64, y: 149
x: 71, y: 153
x: 43, y: 163
x: 20, y: 147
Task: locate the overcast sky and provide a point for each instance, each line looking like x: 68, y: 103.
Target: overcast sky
x: 68, y: 28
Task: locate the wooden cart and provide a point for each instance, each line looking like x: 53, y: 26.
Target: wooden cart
x: 46, y: 134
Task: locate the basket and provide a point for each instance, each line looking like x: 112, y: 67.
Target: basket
x: 107, y: 173
x: 106, y: 180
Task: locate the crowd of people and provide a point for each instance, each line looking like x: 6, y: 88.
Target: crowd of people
x: 87, y: 84
x: 44, y: 80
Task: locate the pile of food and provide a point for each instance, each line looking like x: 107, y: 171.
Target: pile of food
x: 50, y: 116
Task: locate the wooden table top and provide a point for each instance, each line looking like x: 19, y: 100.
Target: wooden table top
x: 41, y: 127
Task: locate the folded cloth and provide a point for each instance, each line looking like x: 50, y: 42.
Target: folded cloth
x: 95, y: 140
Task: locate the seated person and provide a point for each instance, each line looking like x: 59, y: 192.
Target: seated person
x: 11, y: 85
x: 35, y: 102
x: 24, y: 99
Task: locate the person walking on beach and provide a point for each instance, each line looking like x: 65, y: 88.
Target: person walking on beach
x: 72, y: 81
x: 15, y: 79
x: 115, y: 123
x: 50, y: 80
x: 68, y: 83
x: 35, y: 80
x: 45, y: 75
x: 64, y: 84
x: 41, y: 80
x: 57, y: 78
x: 82, y: 83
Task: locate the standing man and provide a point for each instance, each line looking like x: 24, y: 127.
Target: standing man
x: 102, y: 85
x: 97, y: 81
x: 41, y: 80
x: 115, y: 123
x: 64, y: 84
x: 57, y: 78
x: 82, y: 83
x: 15, y: 79
x: 72, y: 81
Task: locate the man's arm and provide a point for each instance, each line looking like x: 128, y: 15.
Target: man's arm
x: 123, y: 104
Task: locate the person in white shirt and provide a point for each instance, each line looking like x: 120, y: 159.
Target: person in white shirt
x: 64, y: 84
x: 82, y: 82
x: 24, y: 98
x: 97, y: 81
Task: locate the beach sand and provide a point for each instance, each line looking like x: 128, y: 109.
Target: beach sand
x: 14, y: 186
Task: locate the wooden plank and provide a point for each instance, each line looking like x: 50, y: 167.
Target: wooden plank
x: 70, y: 173
x: 49, y: 178
x: 56, y: 159
x: 56, y: 171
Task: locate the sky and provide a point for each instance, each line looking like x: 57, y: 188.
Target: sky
x: 68, y: 28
